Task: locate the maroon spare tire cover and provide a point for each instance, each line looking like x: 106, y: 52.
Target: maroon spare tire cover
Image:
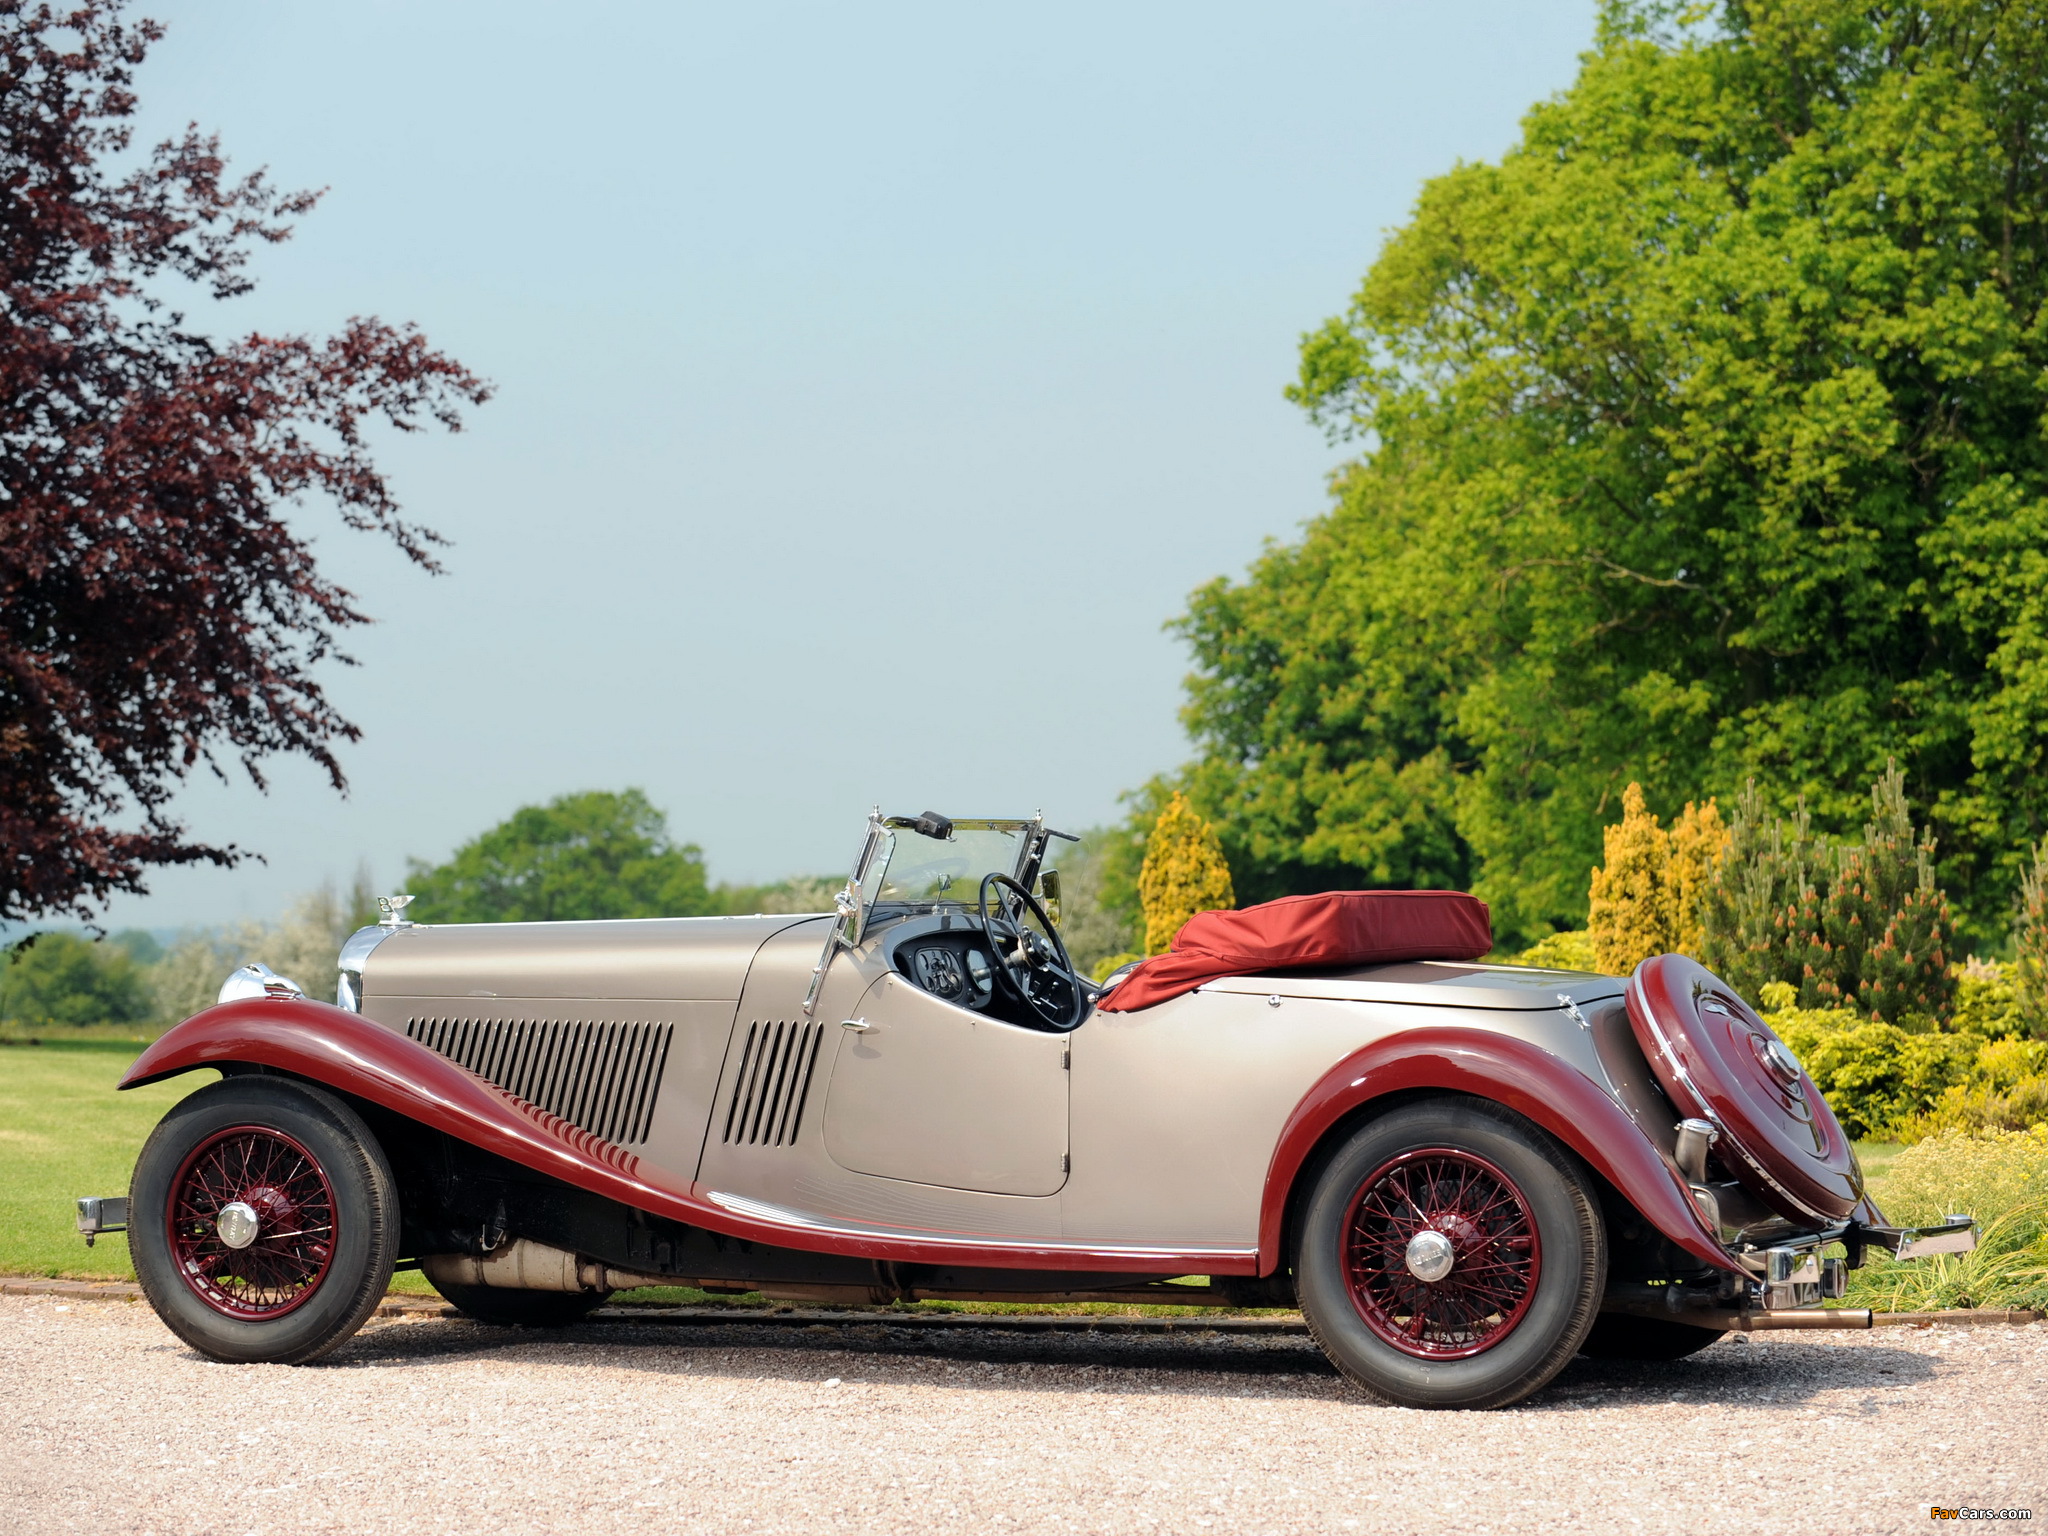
x: 1718, y: 1061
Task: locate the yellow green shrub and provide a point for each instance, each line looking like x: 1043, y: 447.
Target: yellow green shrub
x: 1108, y: 965
x: 1987, y: 999
x: 1984, y: 1175
x: 1184, y: 873
x: 1882, y: 1080
x: 1698, y: 839
x: 1569, y: 951
x: 2007, y: 1090
x: 1978, y: 1106
x: 1647, y: 898
x: 1875, y: 1077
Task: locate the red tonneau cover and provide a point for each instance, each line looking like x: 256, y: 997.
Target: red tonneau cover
x: 1334, y: 928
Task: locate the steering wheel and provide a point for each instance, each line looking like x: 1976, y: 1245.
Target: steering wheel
x: 1031, y: 965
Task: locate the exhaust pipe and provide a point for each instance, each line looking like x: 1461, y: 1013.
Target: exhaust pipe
x: 1766, y: 1322
x: 523, y: 1265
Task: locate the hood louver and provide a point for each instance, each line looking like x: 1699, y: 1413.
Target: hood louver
x: 600, y: 1076
x: 774, y: 1080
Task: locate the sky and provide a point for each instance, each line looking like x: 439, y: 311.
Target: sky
x: 873, y: 385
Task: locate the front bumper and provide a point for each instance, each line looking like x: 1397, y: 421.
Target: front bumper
x: 102, y: 1213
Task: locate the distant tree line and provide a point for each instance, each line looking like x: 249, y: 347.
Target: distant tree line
x: 593, y: 854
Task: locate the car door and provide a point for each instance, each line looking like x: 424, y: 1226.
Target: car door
x: 931, y: 1093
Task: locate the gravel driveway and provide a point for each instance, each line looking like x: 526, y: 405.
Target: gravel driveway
x: 111, y: 1425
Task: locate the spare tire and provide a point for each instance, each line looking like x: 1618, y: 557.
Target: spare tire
x: 1718, y: 1061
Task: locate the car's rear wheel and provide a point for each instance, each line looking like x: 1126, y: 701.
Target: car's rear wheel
x: 263, y: 1221
x: 521, y: 1309
x: 1451, y: 1256
x: 1619, y: 1336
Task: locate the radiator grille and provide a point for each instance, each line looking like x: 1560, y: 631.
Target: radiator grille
x: 767, y: 1106
x: 600, y: 1076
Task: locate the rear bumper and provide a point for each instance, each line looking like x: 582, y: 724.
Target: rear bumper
x: 1786, y: 1285
x: 1955, y: 1234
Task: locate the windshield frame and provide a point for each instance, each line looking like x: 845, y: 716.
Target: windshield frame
x: 959, y: 887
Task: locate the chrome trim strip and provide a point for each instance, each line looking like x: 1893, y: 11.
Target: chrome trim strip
x: 757, y: 1210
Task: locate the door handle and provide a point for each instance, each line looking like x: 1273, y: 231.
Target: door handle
x: 858, y: 1026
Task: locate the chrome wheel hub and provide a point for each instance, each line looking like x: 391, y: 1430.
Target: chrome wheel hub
x: 236, y: 1225
x: 1430, y: 1256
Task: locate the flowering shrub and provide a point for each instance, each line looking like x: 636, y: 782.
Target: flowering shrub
x: 2030, y: 946
x: 1984, y: 1175
x: 1860, y: 927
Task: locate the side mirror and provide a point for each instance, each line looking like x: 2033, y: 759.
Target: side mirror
x: 1049, y: 894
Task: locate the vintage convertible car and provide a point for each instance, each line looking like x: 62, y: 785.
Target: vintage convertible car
x: 1463, y: 1174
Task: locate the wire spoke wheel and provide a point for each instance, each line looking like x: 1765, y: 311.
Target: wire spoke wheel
x: 1441, y: 1253
x: 273, y: 1220
x: 243, y: 1269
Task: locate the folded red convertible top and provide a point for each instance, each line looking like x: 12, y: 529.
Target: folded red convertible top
x: 1333, y: 928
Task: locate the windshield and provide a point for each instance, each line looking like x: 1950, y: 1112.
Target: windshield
x: 921, y: 868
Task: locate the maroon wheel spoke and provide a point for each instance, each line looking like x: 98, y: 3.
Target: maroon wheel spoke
x: 281, y: 1181
x: 1497, y: 1256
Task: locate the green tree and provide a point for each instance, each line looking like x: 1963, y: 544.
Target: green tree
x: 1703, y: 440
x: 61, y: 979
x: 590, y: 855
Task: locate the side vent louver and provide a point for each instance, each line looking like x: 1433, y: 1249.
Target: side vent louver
x: 774, y: 1080
x: 601, y: 1077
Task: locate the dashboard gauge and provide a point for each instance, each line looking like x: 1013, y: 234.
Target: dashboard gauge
x: 938, y: 972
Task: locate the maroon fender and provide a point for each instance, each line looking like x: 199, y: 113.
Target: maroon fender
x: 1511, y: 1072
x: 343, y: 1051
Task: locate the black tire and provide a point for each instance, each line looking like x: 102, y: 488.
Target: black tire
x: 1620, y: 1336
x: 292, y: 1294
x: 522, y: 1309
x: 1554, y: 1282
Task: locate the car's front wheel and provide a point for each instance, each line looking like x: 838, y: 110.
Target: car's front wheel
x: 263, y: 1221
x: 1451, y: 1256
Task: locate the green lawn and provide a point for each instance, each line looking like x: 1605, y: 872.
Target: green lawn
x: 65, y: 1132
x: 1876, y: 1157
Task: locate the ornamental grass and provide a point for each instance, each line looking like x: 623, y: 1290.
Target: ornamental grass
x: 2008, y: 1269
x: 2001, y: 1178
